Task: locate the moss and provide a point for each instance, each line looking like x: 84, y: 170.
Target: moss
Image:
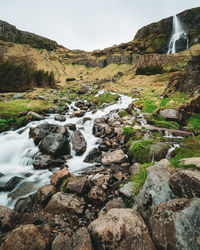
x: 149, y: 70
x: 159, y: 121
x: 190, y: 147
x: 123, y: 113
x: 128, y: 131
x: 104, y: 98
x: 193, y: 123
x: 140, y: 151
x: 149, y: 106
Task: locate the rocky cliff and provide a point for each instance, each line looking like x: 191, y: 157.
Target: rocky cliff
x: 10, y: 33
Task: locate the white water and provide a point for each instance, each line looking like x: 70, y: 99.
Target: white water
x: 178, y: 32
x: 17, y: 151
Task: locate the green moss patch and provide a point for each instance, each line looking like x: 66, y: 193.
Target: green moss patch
x: 123, y: 113
x: 159, y: 121
x: 193, y: 123
x: 104, y: 98
x: 149, y: 70
x: 140, y: 151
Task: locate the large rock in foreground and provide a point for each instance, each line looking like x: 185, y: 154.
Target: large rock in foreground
x: 28, y: 237
x: 120, y: 229
x: 116, y: 156
x: 8, y: 218
x: 176, y: 224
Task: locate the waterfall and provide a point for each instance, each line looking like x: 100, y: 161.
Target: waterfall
x: 179, y: 40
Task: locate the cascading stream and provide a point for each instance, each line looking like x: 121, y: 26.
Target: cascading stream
x: 18, y: 152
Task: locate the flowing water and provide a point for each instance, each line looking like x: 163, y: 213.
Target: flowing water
x: 178, y: 32
x: 17, y: 152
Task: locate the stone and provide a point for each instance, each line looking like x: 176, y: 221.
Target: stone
x: 185, y: 184
x: 60, y: 242
x: 55, y: 145
x: 78, y: 113
x: 66, y: 203
x: 12, y: 183
x: 120, y: 228
x: 170, y: 114
x: 116, y: 156
x: 35, y: 116
x: 127, y: 189
x: 92, y: 155
x: 135, y: 169
x: 76, y: 185
x: 22, y: 189
x: 60, y: 118
x: 118, y: 176
x: 82, y: 90
x: 8, y: 218
x: 59, y: 176
x: 18, y: 96
x: 195, y: 161
x: 176, y: 224
x: 24, y: 205
x: 78, y: 142
x: 85, y: 119
x: 28, y: 237
x: 97, y: 195
x: 114, y: 203
x: 100, y: 179
x: 46, y: 161
x: 80, y: 240
x: 44, y: 194
x: 155, y: 191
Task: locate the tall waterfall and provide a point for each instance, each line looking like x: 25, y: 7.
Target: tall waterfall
x: 179, y: 40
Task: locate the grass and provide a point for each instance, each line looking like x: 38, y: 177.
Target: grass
x: 104, y: 98
x: 128, y: 131
x: 193, y: 123
x: 149, y: 106
x: 140, y: 151
x: 159, y: 121
x: 123, y: 113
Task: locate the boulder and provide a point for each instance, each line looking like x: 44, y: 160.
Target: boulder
x: 35, y: 116
x: 78, y: 142
x: 76, y: 185
x: 8, y: 218
x: 185, y: 184
x: 100, y: 180
x: 92, y: 155
x: 28, y: 237
x: 78, y: 113
x: 55, y: 145
x: 121, y: 229
x: 59, y: 176
x: 12, y: 183
x: 176, y: 224
x: 80, y: 240
x: 155, y: 191
x: 116, y: 156
x: 26, y: 204
x: 44, y: 194
x: 46, y: 161
x: 60, y: 118
x: 127, y: 189
x: 114, y: 203
x: 134, y: 169
x: 195, y: 161
x: 71, y: 126
x: 22, y: 189
x: 69, y: 203
x: 170, y: 114
x: 97, y: 195
x: 60, y: 242
x: 18, y: 96
x: 82, y: 90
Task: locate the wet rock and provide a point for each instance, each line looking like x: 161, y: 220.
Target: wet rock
x: 66, y: 203
x: 127, y: 189
x: 60, y: 118
x: 46, y: 161
x: 18, y: 96
x: 25, y: 205
x: 170, y: 114
x: 28, y: 236
x: 44, y: 194
x: 60, y: 242
x: 185, y: 184
x: 195, y: 161
x: 155, y: 191
x: 39, y: 132
x: 55, y: 145
x: 92, y: 155
x: 35, y: 116
x: 71, y: 126
x: 134, y: 169
x: 76, y: 185
x: 120, y: 229
x: 23, y: 189
x: 85, y: 119
x: 8, y: 218
x: 78, y: 142
x: 59, y: 176
x: 116, y: 156
x: 176, y: 224
x: 97, y: 195
x: 78, y: 113
x: 12, y: 183
x: 80, y: 240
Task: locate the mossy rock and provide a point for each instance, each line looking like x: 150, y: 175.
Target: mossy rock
x: 143, y: 151
x: 193, y: 123
x: 159, y: 121
x: 123, y: 113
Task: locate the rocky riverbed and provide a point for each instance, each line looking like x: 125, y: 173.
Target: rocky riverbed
x: 99, y: 179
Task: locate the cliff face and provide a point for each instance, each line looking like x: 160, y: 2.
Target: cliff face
x: 10, y: 33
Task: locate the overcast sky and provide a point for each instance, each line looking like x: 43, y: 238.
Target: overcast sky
x: 89, y: 24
